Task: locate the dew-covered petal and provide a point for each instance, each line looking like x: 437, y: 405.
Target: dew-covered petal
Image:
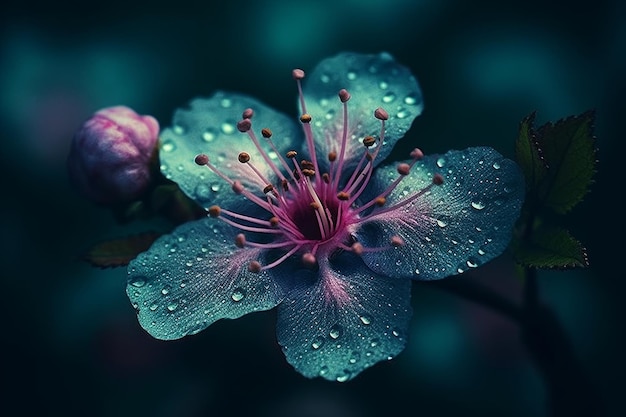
x: 189, y: 279
x: 344, y: 319
x: 209, y: 126
x: 456, y: 226
x: 373, y: 81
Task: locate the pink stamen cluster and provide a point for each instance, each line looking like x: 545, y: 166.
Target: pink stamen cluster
x: 311, y: 213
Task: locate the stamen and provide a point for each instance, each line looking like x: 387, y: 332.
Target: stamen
x: 397, y: 241
x: 308, y: 259
x: 306, y: 118
x: 369, y: 141
x: 240, y: 240
x: 254, y: 267
x: 201, y: 159
x: 247, y: 114
x: 214, y: 211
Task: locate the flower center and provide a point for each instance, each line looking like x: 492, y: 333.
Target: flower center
x: 310, y: 211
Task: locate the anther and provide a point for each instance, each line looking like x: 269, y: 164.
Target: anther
x: 247, y: 114
x: 237, y: 187
x: 369, y: 141
x: 308, y: 172
x: 437, y: 179
x: 344, y: 95
x: 243, y: 157
x: 343, y: 196
x: 308, y: 259
x: 244, y: 125
x: 304, y: 164
x: 201, y: 159
x: 291, y: 154
x: 214, y: 211
x: 380, y: 201
x: 314, y: 205
x: 297, y: 74
x: 332, y: 156
x: 266, y: 133
x: 268, y: 188
x: 326, y: 177
x: 417, y: 154
x: 285, y: 184
x: 403, y: 168
x: 240, y: 240
x: 357, y: 248
x: 254, y: 267
x: 381, y: 114
x: 396, y: 241
x: 305, y: 118
x: 274, y: 221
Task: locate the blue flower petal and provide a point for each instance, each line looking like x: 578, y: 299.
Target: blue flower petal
x: 209, y: 126
x: 189, y: 279
x: 373, y: 81
x: 456, y: 226
x: 345, y: 321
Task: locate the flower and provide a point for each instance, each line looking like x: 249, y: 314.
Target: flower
x: 314, y: 224
x: 109, y: 158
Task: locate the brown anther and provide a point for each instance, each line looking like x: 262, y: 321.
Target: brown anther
x: 296, y: 174
x: 308, y: 259
x: 403, y: 168
x: 237, y: 187
x: 396, y: 241
x: 247, y: 114
x: 273, y: 221
x: 326, y: 177
x: 291, y: 154
x: 308, y: 172
x: 314, y: 205
x: 344, y: 95
x: 214, y: 211
x: 244, y: 125
x: 243, y: 157
x: 305, y: 118
x: 254, y: 267
x: 268, y: 188
x: 381, y: 114
x: 266, y: 133
x: 417, y: 154
x: 240, y: 240
x: 201, y: 159
x: 332, y: 156
x: 285, y: 184
x: 369, y: 141
x: 437, y: 179
x: 343, y: 196
x: 380, y: 201
x: 297, y: 74
x: 357, y: 248
x: 304, y: 164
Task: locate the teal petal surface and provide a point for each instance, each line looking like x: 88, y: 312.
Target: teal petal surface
x: 343, y: 320
x: 209, y: 126
x: 189, y: 279
x: 456, y: 226
x: 373, y: 81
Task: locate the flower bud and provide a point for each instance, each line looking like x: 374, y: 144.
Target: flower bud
x: 109, y: 159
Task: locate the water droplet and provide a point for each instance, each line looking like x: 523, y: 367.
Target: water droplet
x: 441, y: 223
x: 410, y: 99
x: 209, y: 135
x: 227, y: 128
x: 395, y: 332
x: 481, y: 252
x: 138, y: 282
x: 215, y: 187
x: 344, y: 377
x: 325, y: 78
x: 383, y: 85
x: 351, y: 75
x: 478, y: 205
x: 441, y: 162
x: 178, y: 129
x: 329, y: 114
x: 374, y: 342
x: 365, y: 320
x: 496, y: 165
x: 472, y: 263
x: 416, y: 272
x: 238, y: 294
x: 335, y: 331
x: 318, y: 342
x: 402, y: 113
x: 153, y: 307
x: 226, y: 103
x: 172, y: 306
x: 389, y: 97
x: 168, y: 146
x: 165, y: 290
x: 399, y: 262
x: 203, y: 192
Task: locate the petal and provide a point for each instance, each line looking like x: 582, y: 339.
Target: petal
x: 189, y: 279
x: 373, y: 81
x: 209, y: 126
x: 345, y: 321
x: 458, y: 225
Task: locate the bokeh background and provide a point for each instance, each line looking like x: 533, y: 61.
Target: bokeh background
x: 71, y: 342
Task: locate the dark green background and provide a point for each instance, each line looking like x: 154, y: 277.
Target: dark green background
x: 72, y: 343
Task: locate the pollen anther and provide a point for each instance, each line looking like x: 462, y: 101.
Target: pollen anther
x: 369, y: 141
x: 214, y: 211
x: 243, y: 157
x: 266, y: 133
x: 201, y: 159
x: 305, y: 118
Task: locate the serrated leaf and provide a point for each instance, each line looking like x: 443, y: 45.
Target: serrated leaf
x: 527, y: 153
x: 568, y: 148
x: 119, y: 252
x: 551, y: 248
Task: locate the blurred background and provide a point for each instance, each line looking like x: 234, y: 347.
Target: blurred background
x: 72, y: 342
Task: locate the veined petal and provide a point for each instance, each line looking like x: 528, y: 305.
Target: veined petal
x: 189, y: 279
x: 451, y: 228
x: 373, y: 81
x: 345, y: 321
x: 209, y: 126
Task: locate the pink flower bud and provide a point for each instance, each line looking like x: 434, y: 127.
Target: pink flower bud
x: 109, y: 159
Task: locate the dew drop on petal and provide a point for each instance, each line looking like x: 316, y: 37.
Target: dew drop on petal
x: 172, y: 306
x: 138, y: 282
x: 441, y: 223
x: 472, y: 263
x: 389, y: 97
x: 441, y: 162
x: 168, y: 146
x: 165, y: 290
x: 227, y: 128
x: 335, y: 331
x: 496, y: 165
x: 238, y: 294
x: 365, y: 320
x: 209, y: 135
x: 478, y: 205
x: 317, y: 342
x: 410, y: 99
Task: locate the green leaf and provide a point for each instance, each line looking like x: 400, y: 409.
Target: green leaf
x: 551, y: 247
x: 568, y: 149
x: 119, y: 252
x: 527, y: 153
